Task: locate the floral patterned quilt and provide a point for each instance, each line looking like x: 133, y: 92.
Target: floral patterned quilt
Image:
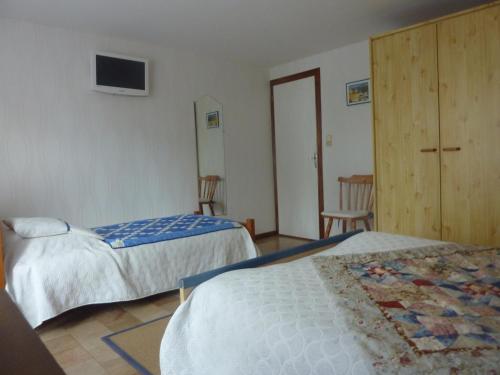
x: 433, y: 309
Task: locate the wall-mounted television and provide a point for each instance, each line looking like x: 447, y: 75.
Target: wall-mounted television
x: 117, y: 74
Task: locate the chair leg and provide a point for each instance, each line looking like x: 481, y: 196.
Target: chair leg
x: 211, y: 205
x: 353, y: 224
x: 328, y: 227
x: 200, y: 205
x: 367, y: 224
x: 344, y: 225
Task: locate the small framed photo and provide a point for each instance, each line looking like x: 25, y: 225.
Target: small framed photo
x: 213, y: 120
x: 357, y: 92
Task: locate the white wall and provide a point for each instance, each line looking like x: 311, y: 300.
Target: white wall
x: 93, y: 158
x: 350, y: 127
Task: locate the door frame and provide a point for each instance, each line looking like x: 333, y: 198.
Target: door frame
x: 316, y: 73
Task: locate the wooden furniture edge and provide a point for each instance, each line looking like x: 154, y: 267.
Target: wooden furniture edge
x: 436, y: 20
x: 374, y: 142
x: 2, y: 268
x: 22, y: 351
x: 189, y: 282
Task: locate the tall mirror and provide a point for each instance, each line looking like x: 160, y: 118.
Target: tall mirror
x: 210, y: 147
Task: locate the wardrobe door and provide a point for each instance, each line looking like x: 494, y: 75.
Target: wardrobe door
x: 469, y: 88
x: 406, y: 131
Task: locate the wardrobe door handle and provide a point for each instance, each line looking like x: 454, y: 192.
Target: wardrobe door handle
x: 451, y: 149
x: 428, y: 150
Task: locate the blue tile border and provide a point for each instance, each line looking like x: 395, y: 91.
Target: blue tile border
x: 122, y: 353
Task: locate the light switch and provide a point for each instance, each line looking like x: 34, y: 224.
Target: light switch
x: 329, y: 140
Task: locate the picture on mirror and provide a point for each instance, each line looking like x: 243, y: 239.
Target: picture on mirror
x: 213, y: 120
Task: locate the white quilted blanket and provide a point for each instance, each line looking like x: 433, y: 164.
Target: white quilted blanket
x: 271, y: 320
x: 50, y: 275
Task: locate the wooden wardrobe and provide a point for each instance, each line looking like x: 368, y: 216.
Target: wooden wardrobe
x: 436, y: 113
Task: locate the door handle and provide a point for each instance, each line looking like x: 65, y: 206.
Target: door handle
x: 451, y: 148
x: 428, y: 150
x: 315, y: 160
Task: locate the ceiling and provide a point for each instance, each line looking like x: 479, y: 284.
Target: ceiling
x: 263, y: 32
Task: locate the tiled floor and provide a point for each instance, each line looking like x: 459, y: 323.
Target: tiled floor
x: 74, y: 338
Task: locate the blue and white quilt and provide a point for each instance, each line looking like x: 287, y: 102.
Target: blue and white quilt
x: 146, y: 231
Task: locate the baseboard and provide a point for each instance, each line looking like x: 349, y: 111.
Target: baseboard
x: 260, y: 236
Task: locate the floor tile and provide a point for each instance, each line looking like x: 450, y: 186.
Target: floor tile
x: 123, y: 321
x: 118, y: 367
x: 88, y: 367
x: 145, y: 311
x: 51, y: 332
x: 101, y: 352
x: 88, y: 333
x: 72, y: 357
x: 61, y: 344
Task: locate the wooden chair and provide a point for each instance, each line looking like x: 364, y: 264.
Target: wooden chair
x: 207, y: 187
x: 359, y: 203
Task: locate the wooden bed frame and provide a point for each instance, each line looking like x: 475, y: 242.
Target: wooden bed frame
x: 249, y: 224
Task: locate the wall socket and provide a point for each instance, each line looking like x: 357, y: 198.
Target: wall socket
x: 329, y: 140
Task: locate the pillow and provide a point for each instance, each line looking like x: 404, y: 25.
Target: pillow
x: 33, y: 227
x: 84, y: 232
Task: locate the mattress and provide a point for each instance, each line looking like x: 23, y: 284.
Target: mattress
x: 272, y: 320
x: 50, y: 275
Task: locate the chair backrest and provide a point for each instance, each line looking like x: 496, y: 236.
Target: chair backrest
x: 207, y: 186
x: 359, y: 192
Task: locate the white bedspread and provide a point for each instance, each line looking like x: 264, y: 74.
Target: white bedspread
x: 271, y: 320
x: 47, y: 276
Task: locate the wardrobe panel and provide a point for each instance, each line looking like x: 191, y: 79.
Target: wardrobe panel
x: 469, y: 88
x: 406, y: 130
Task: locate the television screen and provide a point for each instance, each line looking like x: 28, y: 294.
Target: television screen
x: 117, y: 72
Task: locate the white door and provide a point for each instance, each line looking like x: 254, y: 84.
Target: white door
x: 296, y: 158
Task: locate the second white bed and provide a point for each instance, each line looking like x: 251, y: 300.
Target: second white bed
x: 48, y: 276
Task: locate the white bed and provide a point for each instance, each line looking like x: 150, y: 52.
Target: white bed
x: 49, y: 275
x: 271, y: 320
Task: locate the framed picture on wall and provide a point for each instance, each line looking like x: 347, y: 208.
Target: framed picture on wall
x: 357, y: 92
x: 213, y: 120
